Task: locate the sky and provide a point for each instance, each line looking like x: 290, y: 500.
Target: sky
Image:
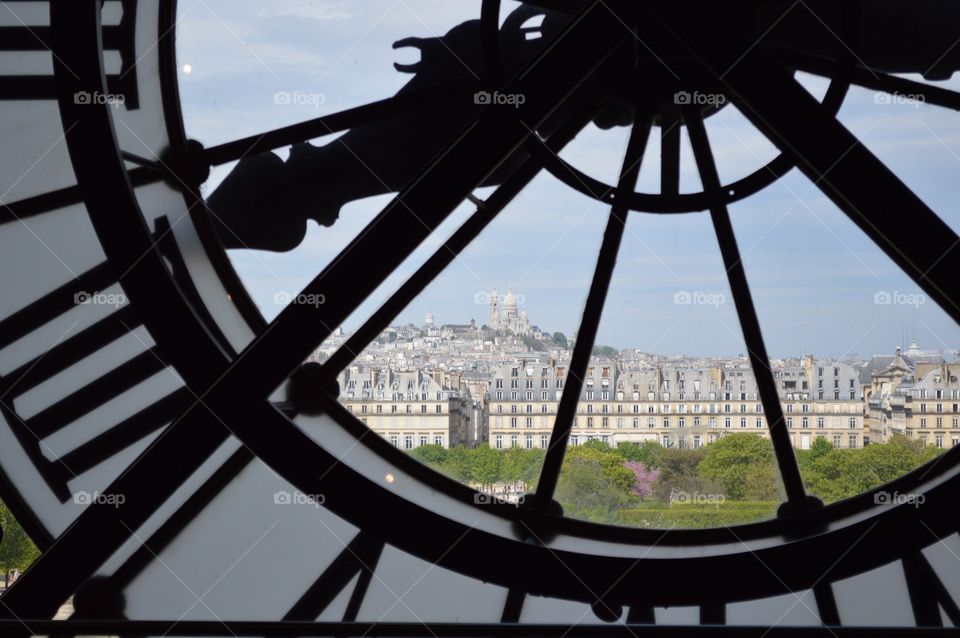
x: 820, y: 286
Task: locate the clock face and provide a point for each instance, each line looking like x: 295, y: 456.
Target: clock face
x: 170, y: 451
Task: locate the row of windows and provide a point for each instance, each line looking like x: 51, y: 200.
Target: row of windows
x: 938, y: 408
x: 938, y: 440
x: 938, y: 421
x: 681, y: 422
x: 683, y: 408
x: 378, y: 409
x: 408, y: 440
x: 604, y: 395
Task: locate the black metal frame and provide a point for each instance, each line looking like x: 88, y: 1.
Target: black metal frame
x: 106, y: 187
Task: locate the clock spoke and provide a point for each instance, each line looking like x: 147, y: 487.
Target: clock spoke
x: 60, y: 198
x: 749, y: 323
x: 670, y: 154
x: 928, y: 593
x: 389, y: 108
x: 486, y: 212
x: 580, y: 358
x: 359, y: 557
x: 869, y: 79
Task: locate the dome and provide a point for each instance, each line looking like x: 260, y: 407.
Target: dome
x: 510, y: 301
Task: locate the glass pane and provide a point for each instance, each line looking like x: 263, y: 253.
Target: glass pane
x: 669, y: 431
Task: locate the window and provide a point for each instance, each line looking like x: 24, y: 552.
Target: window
x: 743, y: 422
x: 805, y: 422
x: 438, y: 440
x: 852, y: 423
x: 514, y: 440
x: 853, y: 440
x: 652, y: 422
x: 423, y: 409
x: 666, y: 421
x: 439, y: 409
x: 726, y: 422
x: 820, y: 422
x: 513, y: 421
x: 939, y: 440
x: 836, y: 440
x: 498, y: 441
x: 408, y: 442
x: 589, y: 421
x: 424, y: 440
x: 545, y: 440
x: 394, y: 440
x: 528, y: 441
x: 363, y: 409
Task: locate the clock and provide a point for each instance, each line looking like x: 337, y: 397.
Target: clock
x: 176, y: 460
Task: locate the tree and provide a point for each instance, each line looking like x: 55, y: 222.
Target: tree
x: 534, y: 344
x: 433, y: 455
x: 586, y: 493
x: 730, y: 460
x: 605, y: 351
x: 17, y: 551
x: 647, y: 452
x: 678, y: 472
x: 644, y: 478
x: 560, y: 339
x: 484, y: 465
x: 457, y: 464
x: 820, y: 447
x: 523, y: 465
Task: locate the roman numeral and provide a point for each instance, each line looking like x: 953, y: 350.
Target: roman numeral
x: 359, y: 557
x: 928, y: 594
x: 119, y: 38
x: 96, y: 392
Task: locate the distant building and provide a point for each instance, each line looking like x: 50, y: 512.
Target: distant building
x: 409, y: 409
x: 675, y: 406
x: 913, y: 394
x: 509, y: 318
